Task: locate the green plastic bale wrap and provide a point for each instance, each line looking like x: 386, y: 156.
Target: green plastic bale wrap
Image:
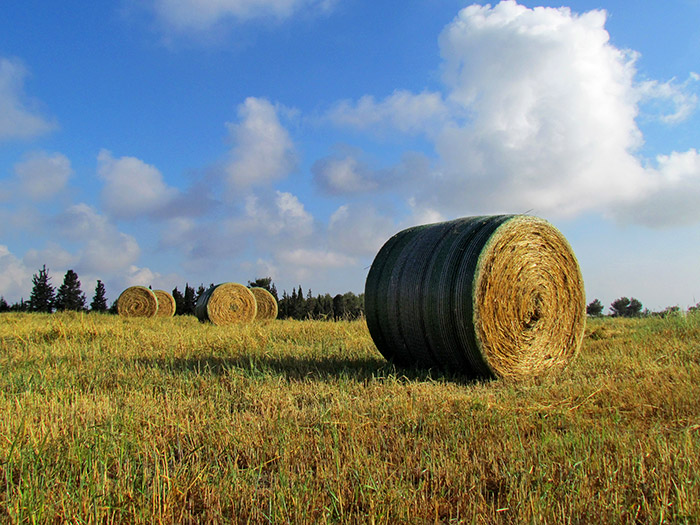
x: 225, y: 304
x: 496, y: 296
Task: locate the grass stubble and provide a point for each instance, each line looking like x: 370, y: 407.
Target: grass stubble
x: 168, y: 420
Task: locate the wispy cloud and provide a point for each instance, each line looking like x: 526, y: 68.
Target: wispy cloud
x: 19, y: 116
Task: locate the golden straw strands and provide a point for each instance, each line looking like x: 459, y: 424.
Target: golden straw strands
x: 166, y: 304
x: 498, y: 296
x: 267, y: 305
x: 226, y: 303
x: 137, y: 301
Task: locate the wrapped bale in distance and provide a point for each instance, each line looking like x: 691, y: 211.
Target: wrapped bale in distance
x: 267, y: 305
x: 226, y: 303
x: 498, y: 296
x: 166, y: 304
x: 137, y: 301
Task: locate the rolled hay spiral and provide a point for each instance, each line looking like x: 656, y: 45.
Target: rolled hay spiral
x: 267, y: 305
x: 166, y: 304
x: 226, y: 303
x: 137, y: 301
x: 497, y: 296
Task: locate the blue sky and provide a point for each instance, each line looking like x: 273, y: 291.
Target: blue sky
x: 203, y: 141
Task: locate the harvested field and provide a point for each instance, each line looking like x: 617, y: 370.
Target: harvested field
x: 129, y: 420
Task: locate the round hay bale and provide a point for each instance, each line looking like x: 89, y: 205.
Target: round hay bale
x: 498, y: 296
x: 267, y: 305
x: 166, y: 304
x: 225, y: 304
x: 137, y: 301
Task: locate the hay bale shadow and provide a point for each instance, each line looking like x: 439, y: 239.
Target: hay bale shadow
x: 294, y: 368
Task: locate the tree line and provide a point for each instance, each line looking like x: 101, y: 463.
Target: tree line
x: 632, y: 307
x: 69, y: 296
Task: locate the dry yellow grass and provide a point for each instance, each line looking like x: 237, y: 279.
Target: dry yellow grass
x: 168, y: 420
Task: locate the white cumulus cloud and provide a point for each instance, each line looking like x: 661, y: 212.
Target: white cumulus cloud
x: 19, y: 118
x: 132, y: 187
x: 263, y: 151
x: 539, y: 112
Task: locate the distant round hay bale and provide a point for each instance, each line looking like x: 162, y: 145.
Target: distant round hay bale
x: 498, y: 296
x: 137, y: 301
x: 267, y: 305
x: 166, y: 304
x: 225, y: 304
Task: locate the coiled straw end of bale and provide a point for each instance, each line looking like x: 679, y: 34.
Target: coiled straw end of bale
x: 166, y: 304
x: 529, y: 299
x: 137, y: 301
x: 267, y: 305
x: 225, y: 304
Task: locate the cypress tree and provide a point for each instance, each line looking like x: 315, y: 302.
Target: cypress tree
x: 99, y: 300
x: 70, y: 296
x: 42, y: 296
x: 189, y: 300
x: 179, y: 301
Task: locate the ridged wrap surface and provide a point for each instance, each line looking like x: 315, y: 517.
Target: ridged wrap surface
x: 137, y: 301
x: 166, y: 304
x: 495, y: 296
x: 267, y: 305
x: 226, y: 303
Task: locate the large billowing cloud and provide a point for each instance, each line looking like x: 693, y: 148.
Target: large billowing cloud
x: 543, y: 114
x: 19, y: 118
x: 132, y: 187
x: 199, y: 15
x: 263, y: 151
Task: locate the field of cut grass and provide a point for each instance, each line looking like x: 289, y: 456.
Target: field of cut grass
x: 112, y: 420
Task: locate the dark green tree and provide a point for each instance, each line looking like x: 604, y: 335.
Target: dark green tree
x: 625, y: 307
x: 179, y: 301
x: 635, y: 308
x: 99, y: 300
x: 70, y: 296
x: 21, y: 306
x: 310, y: 306
x: 42, y: 296
x: 189, y: 300
x: 594, y: 308
x: 4, y: 307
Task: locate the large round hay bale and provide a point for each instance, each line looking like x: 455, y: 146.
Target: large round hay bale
x: 137, y: 301
x: 166, y: 304
x: 498, y: 296
x: 225, y: 304
x: 267, y: 305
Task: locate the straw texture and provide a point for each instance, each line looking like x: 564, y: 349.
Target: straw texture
x: 267, y: 305
x: 225, y: 304
x: 166, y: 304
x: 137, y: 301
x: 498, y: 296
